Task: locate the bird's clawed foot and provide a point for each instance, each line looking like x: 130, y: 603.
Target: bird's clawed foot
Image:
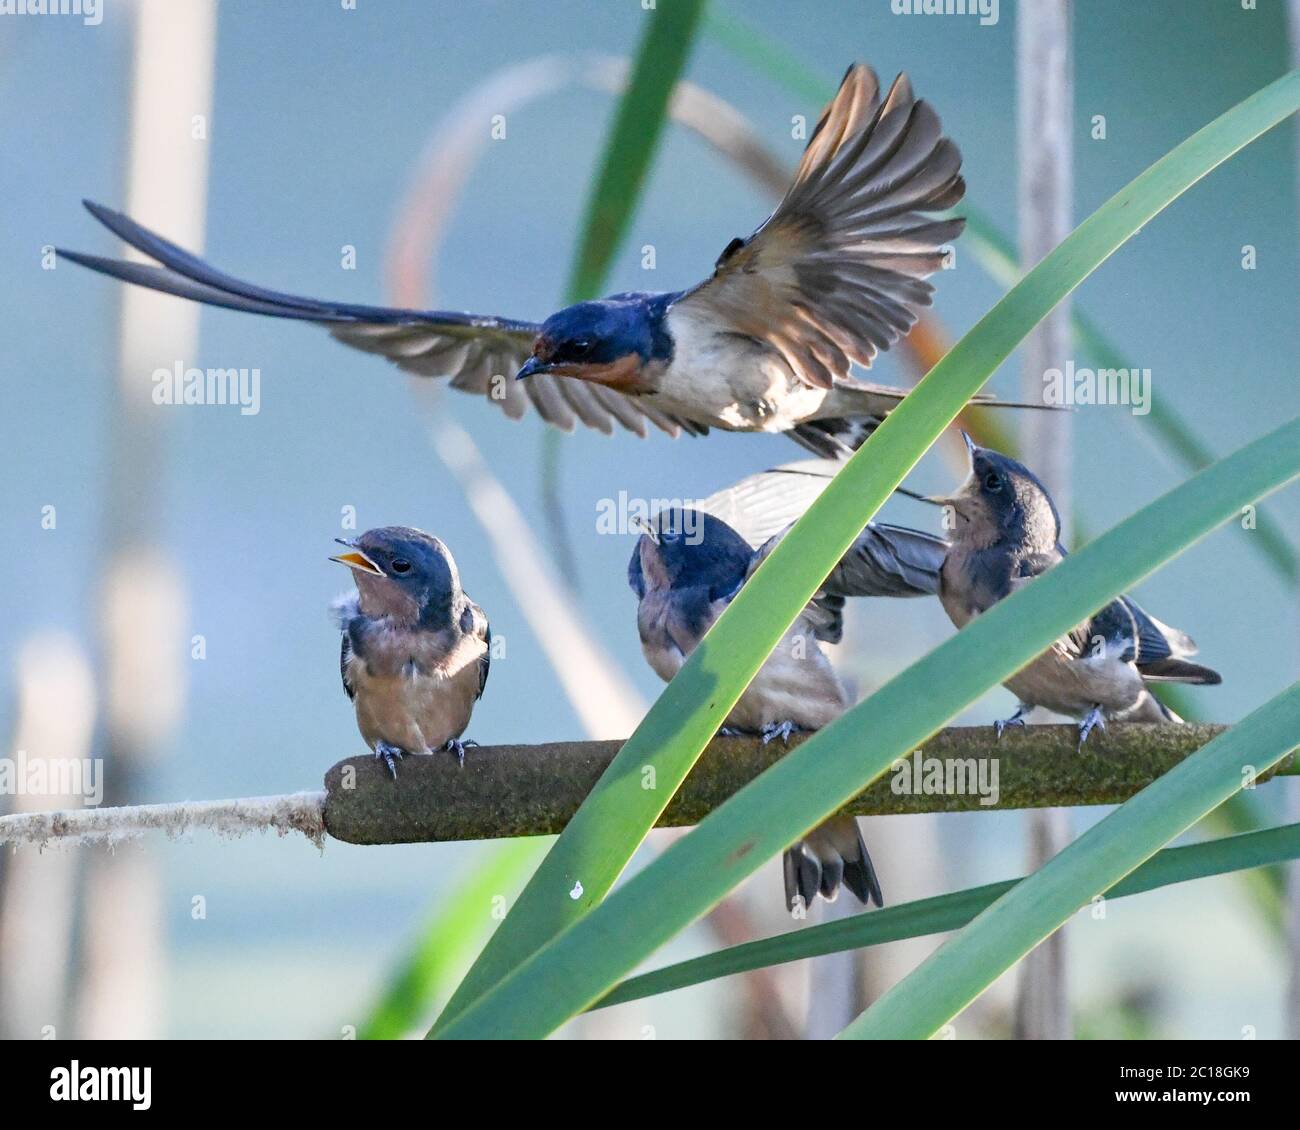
x: 781, y: 730
x: 458, y: 748
x: 1091, y: 720
x: 1017, y: 719
x: 390, y: 755
x: 732, y: 732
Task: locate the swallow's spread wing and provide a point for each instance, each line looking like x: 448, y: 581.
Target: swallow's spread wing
x: 889, y: 560
x: 837, y: 272
x: 767, y: 502
x: 884, y: 560
x: 480, y: 354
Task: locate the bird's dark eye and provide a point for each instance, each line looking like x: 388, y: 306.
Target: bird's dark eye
x: 401, y: 565
x: 993, y: 481
x: 581, y: 347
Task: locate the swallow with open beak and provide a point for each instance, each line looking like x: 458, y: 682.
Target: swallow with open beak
x: 687, y: 567
x: 1006, y: 531
x: 416, y: 649
x: 765, y: 344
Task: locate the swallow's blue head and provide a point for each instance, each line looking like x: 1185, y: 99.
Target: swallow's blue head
x: 689, y: 549
x: 1003, y: 501
x: 609, y: 341
x: 402, y: 573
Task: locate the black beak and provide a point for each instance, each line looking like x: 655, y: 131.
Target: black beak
x: 971, y: 445
x: 531, y: 367
x: 919, y: 497
x: 646, y: 529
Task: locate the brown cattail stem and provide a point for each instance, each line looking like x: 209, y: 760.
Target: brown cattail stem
x: 533, y: 790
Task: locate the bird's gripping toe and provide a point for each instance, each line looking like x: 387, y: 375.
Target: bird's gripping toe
x: 458, y: 748
x: 781, y: 730
x: 1091, y: 720
x: 390, y: 755
x: 1017, y: 719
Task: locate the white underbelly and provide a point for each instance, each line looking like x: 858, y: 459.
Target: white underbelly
x: 724, y: 383
x: 1074, y: 686
x: 797, y: 684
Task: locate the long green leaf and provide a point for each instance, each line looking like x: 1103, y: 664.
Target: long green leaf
x: 947, y: 981
x: 633, y: 140
x: 580, y: 965
x: 1239, y: 813
x: 949, y: 912
x: 629, y: 152
x: 615, y: 194
x: 447, y: 941
x: 605, y: 831
x: 996, y: 253
x: 770, y: 55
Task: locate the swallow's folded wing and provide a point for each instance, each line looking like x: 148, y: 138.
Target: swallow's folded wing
x: 837, y: 272
x: 479, y: 354
x: 345, y: 609
x: 1156, y: 639
x: 474, y: 622
x: 1159, y: 652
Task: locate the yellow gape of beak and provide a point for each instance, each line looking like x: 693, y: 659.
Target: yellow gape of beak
x: 359, y: 561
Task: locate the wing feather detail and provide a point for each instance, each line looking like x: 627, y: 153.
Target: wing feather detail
x: 837, y: 272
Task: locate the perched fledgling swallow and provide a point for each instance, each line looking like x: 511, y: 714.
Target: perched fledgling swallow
x: 765, y: 344
x: 416, y: 649
x: 689, y: 565
x: 1008, y: 532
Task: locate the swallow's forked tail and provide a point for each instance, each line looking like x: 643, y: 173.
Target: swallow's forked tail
x: 830, y: 855
x: 856, y: 409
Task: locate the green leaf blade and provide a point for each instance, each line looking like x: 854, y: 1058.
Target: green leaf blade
x: 447, y: 940
x: 947, y: 981
x: 633, y: 140
x: 942, y: 913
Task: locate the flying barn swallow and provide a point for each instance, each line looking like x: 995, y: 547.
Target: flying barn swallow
x: 1007, y: 532
x: 416, y: 649
x: 765, y: 344
x: 687, y: 567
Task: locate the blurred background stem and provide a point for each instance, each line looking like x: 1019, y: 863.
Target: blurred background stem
x: 1045, y: 141
x: 142, y: 650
